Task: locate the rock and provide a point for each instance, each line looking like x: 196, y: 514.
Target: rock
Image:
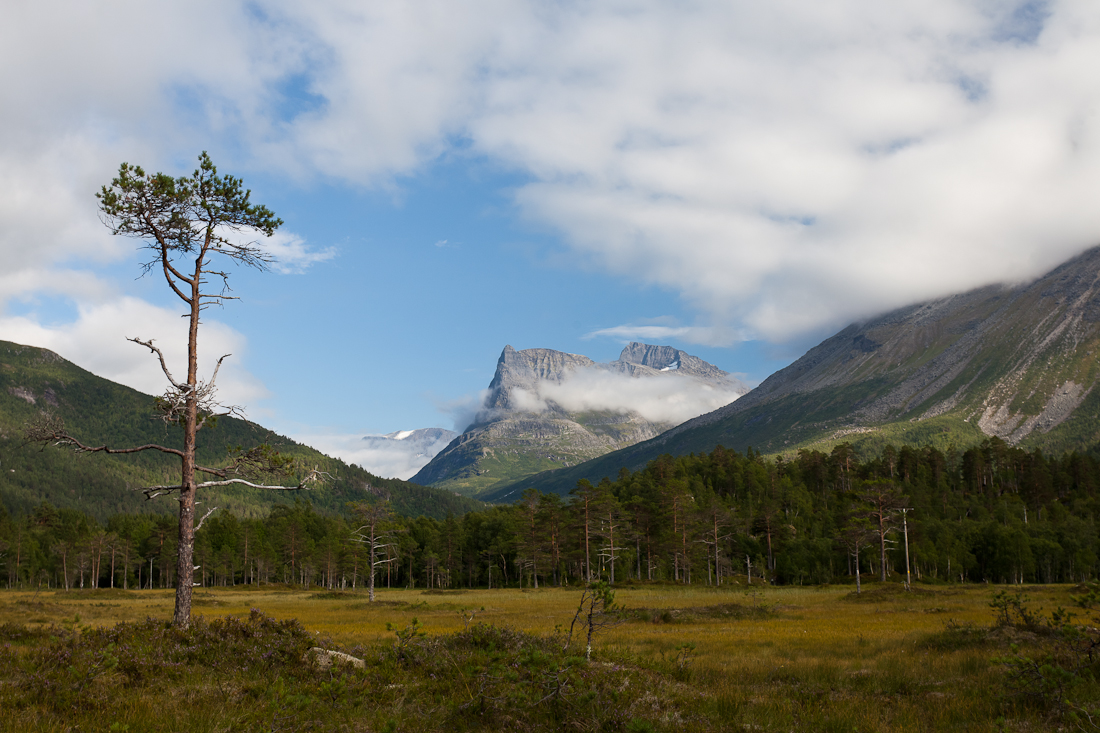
x: 325, y: 658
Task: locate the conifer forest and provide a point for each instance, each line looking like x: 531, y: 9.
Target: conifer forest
x: 990, y: 514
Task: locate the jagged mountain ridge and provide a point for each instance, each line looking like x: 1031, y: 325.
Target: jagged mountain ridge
x: 1016, y: 362
x: 518, y: 433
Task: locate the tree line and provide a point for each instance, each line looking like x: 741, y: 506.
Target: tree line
x: 993, y: 513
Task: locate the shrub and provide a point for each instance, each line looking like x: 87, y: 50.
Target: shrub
x: 1061, y: 675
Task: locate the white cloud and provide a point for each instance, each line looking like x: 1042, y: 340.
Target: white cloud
x: 792, y: 164
x: 292, y: 256
x: 705, y: 335
x: 96, y: 341
x: 669, y: 398
x: 386, y: 458
x: 463, y: 411
x: 784, y: 166
x: 75, y: 104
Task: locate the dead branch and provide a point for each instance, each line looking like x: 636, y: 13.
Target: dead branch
x: 204, y: 516
x: 312, y: 477
x: 51, y: 429
x: 160, y: 355
x: 173, y: 403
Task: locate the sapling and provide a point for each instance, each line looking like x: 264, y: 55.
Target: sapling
x: 597, y: 610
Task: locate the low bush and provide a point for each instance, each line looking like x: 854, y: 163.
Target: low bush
x: 255, y: 673
x: 1058, y: 668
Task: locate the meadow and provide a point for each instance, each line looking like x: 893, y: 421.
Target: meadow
x: 737, y: 657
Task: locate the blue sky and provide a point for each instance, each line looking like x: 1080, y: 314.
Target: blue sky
x: 736, y: 179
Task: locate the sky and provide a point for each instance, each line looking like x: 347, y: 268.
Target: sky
x: 736, y: 179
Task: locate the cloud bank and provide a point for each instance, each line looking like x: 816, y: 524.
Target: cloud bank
x: 382, y: 455
x: 669, y: 399
x: 784, y: 166
x: 96, y: 341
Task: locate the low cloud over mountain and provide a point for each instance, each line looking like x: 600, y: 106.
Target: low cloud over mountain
x: 395, y: 455
x: 545, y: 409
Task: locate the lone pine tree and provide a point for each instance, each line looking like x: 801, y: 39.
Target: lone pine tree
x: 195, y: 228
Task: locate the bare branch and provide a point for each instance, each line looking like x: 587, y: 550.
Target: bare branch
x: 214, y: 376
x: 204, y: 516
x: 269, y: 487
x: 170, y: 271
x: 173, y: 403
x: 160, y: 355
x: 51, y: 429
x: 304, y: 485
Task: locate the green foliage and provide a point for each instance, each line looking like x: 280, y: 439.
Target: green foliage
x: 1059, y: 670
x: 1010, y: 609
x: 410, y: 633
x: 101, y: 412
x: 166, y: 210
x: 992, y: 513
x: 597, y: 610
x: 256, y: 673
x: 1090, y: 598
x: 58, y: 675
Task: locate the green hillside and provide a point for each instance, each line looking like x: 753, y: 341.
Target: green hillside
x: 33, y: 381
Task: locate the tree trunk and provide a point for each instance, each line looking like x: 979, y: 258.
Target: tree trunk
x: 185, y: 566
x: 611, y: 534
x: 882, y: 548
x: 587, y: 560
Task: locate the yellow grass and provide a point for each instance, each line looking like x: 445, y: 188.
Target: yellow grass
x: 819, y: 658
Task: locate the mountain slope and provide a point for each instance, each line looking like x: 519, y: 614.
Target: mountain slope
x: 101, y: 412
x: 1014, y: 362
x: 529, y: 421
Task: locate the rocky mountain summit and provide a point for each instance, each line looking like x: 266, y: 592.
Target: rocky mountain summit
x: 638, y: 356
x: 520, y: 372
x: 1014, y: 362
x: 547, y: 409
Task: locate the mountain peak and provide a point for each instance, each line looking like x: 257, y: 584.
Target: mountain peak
x: 548, y: 408
x: 523, y: 370
x: 667, y: 359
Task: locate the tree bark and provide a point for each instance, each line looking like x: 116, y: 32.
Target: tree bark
x: 185, y: 565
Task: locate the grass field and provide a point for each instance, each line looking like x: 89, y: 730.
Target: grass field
x: 732, y: 658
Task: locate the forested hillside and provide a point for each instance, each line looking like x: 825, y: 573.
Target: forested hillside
x: 992, y: 513
x: 36, y: 381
